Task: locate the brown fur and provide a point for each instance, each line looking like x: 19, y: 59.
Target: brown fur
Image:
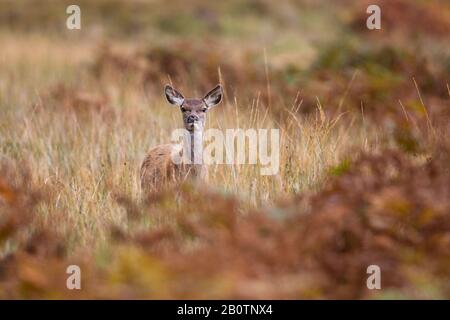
x: 158, y: 168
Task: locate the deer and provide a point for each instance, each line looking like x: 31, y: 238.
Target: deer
x: 159, y: 168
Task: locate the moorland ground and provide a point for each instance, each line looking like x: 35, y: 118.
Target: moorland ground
x: 363, y: 119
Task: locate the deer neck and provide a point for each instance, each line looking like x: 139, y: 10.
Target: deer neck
x: 197, y: 146
x: 194, y: 153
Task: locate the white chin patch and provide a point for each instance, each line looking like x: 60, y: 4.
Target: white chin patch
x: 196, y: 125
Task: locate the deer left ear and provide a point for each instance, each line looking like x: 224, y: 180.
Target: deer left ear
x: 213, y: 97
x: 173, y: 96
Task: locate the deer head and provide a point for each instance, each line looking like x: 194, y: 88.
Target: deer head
x: 194, y: 110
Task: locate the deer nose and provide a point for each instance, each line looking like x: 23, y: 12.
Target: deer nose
x: 192, y: 118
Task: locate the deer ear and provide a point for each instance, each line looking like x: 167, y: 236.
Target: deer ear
x: 173, y: 96
x: 214, y: 96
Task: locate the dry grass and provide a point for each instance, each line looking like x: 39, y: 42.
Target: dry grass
x: 363, y: 177
x: 84, y: 154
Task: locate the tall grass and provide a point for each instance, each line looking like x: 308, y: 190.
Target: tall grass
x: 85, y: 155
x: 363, y: 177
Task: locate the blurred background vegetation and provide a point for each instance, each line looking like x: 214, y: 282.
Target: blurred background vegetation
x: 364, y: 178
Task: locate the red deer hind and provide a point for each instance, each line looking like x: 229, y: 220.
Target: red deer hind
x: 159, y: 168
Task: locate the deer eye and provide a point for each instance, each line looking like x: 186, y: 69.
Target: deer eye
x: 182, y: 109
x: 204, y: 109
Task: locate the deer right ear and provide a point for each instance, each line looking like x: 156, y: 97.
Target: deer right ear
x: 214, y: 96
x: 173, y: 96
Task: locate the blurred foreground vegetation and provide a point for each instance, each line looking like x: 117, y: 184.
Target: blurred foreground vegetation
x: 364, y: 179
